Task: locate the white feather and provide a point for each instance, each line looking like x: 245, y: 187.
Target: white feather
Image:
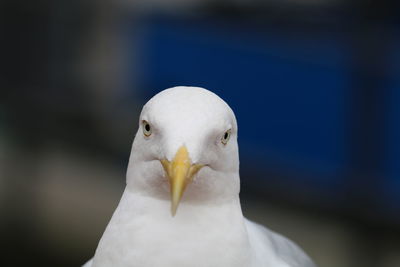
x: 209, y: 228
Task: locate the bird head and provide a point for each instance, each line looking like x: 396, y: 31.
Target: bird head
x: 186, y: 144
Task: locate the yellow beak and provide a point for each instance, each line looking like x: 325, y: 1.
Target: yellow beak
x: 180, y: 172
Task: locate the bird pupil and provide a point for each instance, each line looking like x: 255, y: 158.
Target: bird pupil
x: 147, y: 127
x: 226, y: 135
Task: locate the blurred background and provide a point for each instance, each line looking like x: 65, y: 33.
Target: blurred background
x: 315, y: 85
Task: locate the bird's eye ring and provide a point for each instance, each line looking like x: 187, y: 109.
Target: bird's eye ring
x: 225, y: 137
x: 146, y: 128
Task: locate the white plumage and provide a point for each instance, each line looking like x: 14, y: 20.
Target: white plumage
x: 188, y: 132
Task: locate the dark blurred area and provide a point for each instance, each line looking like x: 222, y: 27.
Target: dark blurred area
x: 315, y: 86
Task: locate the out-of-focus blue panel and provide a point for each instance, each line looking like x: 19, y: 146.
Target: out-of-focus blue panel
x: 289, y: 92
x: 393, y: 139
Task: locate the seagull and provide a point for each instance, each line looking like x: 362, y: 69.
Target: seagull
x: 181, y: 205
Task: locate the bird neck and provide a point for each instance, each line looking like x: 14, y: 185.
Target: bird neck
x: 144, y: 227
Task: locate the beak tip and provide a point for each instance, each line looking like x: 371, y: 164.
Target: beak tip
x: 173, y: 211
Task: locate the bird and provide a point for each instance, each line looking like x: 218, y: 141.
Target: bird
x: 181, y: 205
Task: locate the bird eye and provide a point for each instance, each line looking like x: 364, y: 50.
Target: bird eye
x: 146, y: 128
x: 225, y: 137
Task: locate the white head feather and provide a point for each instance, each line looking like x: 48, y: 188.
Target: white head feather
x: 198, y: 119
